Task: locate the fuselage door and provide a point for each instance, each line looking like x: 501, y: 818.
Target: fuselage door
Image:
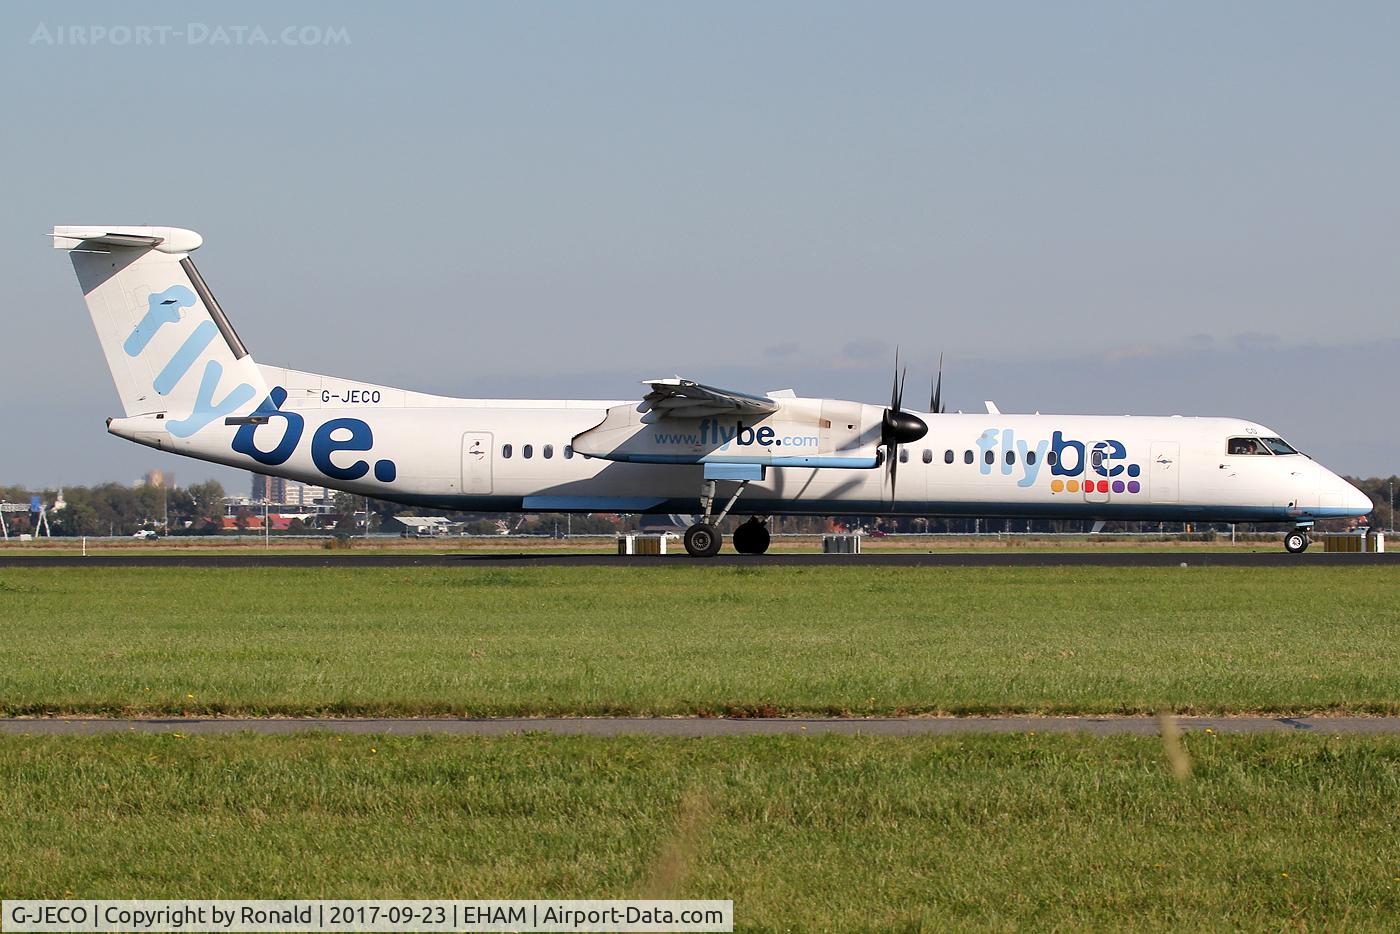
x: 476, y: 463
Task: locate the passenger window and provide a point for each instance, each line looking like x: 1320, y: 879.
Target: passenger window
x: 948, y: 456
x: 904, y: 455
x: 1052, y: 458
x: 1010, y: 457
x: 989, y: 457
x: 528, y: 451
x: 1030, y: 457
x: 548, y: 451
x: 1096, y: 458
x: 967, y: 457
x: 568, y: 452
x: 928, y: 456
x: 506, y: 451
x: 1247, y: 446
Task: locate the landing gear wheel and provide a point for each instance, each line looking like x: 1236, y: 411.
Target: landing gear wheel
x: 702, y: 540
x: 751, y: 538
x: 1296, y: 542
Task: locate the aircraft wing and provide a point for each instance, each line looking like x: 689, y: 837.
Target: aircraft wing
x: 685, y: 398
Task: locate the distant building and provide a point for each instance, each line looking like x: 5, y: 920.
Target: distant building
x: 427, y: 525
x: 269, y: 489
x: 279, y: 491
x: 276, y: 522
x: 158, y: 478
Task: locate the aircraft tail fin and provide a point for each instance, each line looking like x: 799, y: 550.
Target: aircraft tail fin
x: 170, y: 347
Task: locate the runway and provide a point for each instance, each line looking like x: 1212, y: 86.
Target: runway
x: 1151, y: 559
x: 702, y: 727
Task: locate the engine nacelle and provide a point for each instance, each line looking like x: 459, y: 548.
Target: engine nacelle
x: 801, y: 433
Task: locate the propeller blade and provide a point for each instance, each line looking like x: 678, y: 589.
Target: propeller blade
x: 935, y: 401
x: 894, y: 386
x: 898, y: 426
x: 894, y: 468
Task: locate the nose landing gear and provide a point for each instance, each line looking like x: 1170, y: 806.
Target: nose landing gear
x: 1296, y: 542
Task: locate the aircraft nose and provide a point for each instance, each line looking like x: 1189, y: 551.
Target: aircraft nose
x: 1356, y: 501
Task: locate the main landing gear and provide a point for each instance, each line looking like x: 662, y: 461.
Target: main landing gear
x: 703, y: 539
x: 751, y: 538
x: 1297, y: 541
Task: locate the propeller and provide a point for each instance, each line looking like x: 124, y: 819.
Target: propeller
x: 935, y: 399
x: 898, y: 426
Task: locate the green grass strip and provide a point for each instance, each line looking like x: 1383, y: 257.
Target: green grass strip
x: 804, y: 833
x: 699, y: 640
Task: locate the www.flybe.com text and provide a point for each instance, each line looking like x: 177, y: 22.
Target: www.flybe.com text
x: 713, y: 431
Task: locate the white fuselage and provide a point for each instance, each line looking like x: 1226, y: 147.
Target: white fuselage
x: 487, y: 455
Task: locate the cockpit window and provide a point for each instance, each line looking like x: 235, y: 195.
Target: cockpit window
x: 1247, y: 446
x: 1279, y: 446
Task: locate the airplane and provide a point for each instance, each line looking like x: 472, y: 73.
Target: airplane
x: 188, y: 385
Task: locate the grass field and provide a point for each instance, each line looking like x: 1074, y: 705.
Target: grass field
x: 830, y: 833
x: 694, y: 639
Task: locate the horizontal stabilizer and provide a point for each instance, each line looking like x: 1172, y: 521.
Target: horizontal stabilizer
x: 165, y: 239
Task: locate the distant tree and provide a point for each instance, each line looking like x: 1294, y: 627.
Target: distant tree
x: 207, y: 499
x: 179, y: 505
x: 384, y: 513
x: 343, y: 508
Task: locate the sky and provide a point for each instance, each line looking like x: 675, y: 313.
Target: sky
x: 1097, y: 207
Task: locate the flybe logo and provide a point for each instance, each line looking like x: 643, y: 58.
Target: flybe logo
x: 164, y: 308
x: 1100, y: 466
x: 333, y: 436
x: 330, y: 438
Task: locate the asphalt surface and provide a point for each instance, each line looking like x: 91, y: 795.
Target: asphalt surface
x: 1152, y: 559
x: 696, y: 727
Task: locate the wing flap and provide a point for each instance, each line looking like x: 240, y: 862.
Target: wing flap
x: 689, y: 399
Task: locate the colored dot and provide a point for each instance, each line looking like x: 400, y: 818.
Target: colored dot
x: 1134, y: 470
x: 1118, y: 486
x: 1134, y: 486
x: 1056, y: 486
x: 1072, y: 486
x: 385, y: 471
x: 1103, y: 486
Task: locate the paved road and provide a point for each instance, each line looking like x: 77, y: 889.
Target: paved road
x: 679, y: 726
x: 1279, y: 558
